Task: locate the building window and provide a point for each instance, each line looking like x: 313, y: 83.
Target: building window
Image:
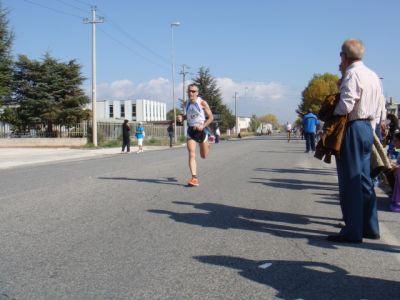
x: 111, y: 111
x: 133, y: 110
x: 122, y: 111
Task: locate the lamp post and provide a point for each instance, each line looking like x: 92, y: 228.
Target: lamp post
x: 174, y: 24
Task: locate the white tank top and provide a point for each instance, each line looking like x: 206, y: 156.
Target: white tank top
x: 195, y: 113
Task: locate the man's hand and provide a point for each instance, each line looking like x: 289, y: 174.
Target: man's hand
x: 199, y: 127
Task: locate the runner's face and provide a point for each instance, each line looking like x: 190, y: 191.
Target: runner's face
x: 193, y: 93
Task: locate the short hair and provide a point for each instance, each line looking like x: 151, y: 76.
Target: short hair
x: 195, y: 85
x: 353, y: 48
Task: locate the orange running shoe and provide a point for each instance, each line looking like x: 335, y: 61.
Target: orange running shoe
x: 193, y: 182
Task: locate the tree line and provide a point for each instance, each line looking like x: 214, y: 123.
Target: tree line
x: 38, y: 93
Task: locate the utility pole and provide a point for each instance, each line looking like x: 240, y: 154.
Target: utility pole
x: 184, y: 73
x: 94, y: 21
x: 236, y: 118
x: 174, y: 24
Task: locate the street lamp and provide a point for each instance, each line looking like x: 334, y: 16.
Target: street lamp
x: 174, y: 24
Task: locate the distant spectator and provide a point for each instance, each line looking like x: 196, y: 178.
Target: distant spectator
x: 217, y: 133
x: 310, y: 122
x: 140, y: 134
x: 126, y: 136
x: 288, y: 131
x: 393, y: 127
x: 170, y: 131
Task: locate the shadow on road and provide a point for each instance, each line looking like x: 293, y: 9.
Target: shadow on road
x: 167, y: 180
x: 304, y: 171
x: 296, y: 184
x: 308, y: 280
x: 271, y: 222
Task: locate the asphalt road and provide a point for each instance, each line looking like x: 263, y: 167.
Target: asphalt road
x: 128, y: 227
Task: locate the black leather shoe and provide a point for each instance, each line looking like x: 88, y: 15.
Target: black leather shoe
x: 341, y: 239
x: 372, y: 236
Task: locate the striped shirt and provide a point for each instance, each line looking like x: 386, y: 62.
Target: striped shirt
x: 361, y: 94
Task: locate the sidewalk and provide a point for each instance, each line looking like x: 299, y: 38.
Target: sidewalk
x: 14, y: 157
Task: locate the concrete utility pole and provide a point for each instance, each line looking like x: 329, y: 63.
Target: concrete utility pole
x: 184, y: 73
x: 236, y: 117
x: 175, y: 24
x: 94, y: 120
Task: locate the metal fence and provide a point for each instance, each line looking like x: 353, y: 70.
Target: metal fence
x: 107, y: 131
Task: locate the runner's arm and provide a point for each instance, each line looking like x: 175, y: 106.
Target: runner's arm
x: 208, y: 113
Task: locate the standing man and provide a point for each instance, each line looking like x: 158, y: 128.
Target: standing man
x: 360, y: 96
x: 310, y: 122
x: 170, y: 131
x: 199, y: 117
x: 126, y: 137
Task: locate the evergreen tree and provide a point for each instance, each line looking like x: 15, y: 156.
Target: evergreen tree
x: 209, y: 91
x: 49, y: 92
x: 6, y: 61
x: 317, y: 89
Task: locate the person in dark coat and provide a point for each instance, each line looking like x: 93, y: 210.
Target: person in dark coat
x: 170, y: 131
x: 126, y: 139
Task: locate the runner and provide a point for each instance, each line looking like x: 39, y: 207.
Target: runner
x: 199, y: 117
x: 288, y: 130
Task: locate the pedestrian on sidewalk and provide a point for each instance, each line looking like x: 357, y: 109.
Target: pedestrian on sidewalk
x: 310, y: 123
x: 360, y: 96
x: 126, y: 136
x: 199, y: 117
x: 140, y: 134
x: 170, y: 131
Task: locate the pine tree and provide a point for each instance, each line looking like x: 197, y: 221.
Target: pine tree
x: 6, y: 61
x: 49, y: 92
x: 209, y: 91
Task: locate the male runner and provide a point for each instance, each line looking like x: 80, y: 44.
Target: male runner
x: 199, y: 117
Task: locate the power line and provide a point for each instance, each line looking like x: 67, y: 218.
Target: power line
x: 164, y: 59
x: 119, y: 28
x: 133, y: 51
x: 53, y: 9
x: 83, y: 2
x: 70, y: 5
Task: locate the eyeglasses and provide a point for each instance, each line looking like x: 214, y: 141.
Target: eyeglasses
x: 191, y: 91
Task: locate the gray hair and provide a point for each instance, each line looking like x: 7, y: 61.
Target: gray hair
x: 193, y: 85
x: 353, y: 49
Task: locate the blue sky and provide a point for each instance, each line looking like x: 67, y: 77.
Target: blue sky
x: 266, y: 50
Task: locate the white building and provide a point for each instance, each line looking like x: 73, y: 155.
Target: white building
x: 243, y: 123
x: 133, y: 110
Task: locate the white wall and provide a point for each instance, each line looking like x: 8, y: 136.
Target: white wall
x: 146, y: 110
